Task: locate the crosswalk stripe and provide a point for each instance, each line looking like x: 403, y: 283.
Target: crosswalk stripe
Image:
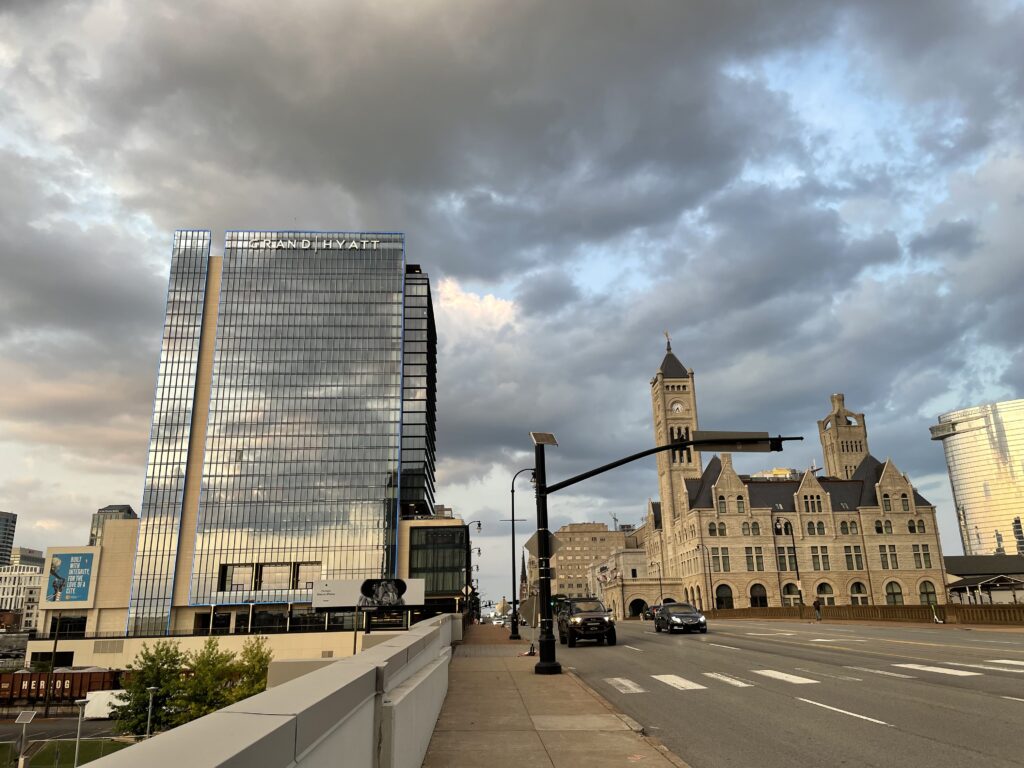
x: 1012, y: 698
x: 984, y: 666
x: 938, y: 670
x: 827, y: 674
x: 727, y: 679
x: 624, y: 685
x: 679, y: 682
x: 784, y: 676
x: 845, y: 712
x: 1006, y: 661
x: 881, y: 672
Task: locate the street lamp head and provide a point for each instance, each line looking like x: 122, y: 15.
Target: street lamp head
x: 81, y: 702
x: 152, y: 688
x: 543, y: 438
x: 778, y: 527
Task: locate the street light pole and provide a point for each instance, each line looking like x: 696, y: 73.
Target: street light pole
x: 149, y: 715
x: 661, y: 589
x: 80, y: 703
x: 778, y: 528
x: 711, y: 583
x: 546, y: 639
x: 515, y: 602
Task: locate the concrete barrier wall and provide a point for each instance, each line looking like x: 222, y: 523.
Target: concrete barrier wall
x: 378, y: 708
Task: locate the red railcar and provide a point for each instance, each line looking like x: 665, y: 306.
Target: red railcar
x: 30, y: 687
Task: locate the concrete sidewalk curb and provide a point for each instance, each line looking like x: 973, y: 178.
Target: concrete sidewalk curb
x: 633, y: 725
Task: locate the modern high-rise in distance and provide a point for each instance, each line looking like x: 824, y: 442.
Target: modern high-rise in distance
x: 984, y: 448
x: 293, y: 423
x: 8, y: 522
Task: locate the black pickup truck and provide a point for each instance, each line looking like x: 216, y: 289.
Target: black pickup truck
x: 585, y: 619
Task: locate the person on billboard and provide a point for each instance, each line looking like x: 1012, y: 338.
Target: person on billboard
x: 382, y: 592
x: 57, y: 581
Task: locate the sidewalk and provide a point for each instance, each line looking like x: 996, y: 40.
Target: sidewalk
x: 499, y: 713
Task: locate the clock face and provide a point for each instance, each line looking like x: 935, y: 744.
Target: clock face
x: 677, y: 407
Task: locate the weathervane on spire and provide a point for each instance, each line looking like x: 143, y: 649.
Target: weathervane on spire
x: 668, y: 342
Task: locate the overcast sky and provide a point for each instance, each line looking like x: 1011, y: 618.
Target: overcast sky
x: 809, y: 197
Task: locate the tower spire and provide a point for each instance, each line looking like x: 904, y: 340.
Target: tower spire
x: 668, y: 342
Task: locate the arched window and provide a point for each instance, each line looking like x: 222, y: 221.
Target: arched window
x: 817, y: 503
x: 905, y: 502
x: 721, y: 529
x: 746, y: 529
x: 886, y: 503
x: 878, y: 526
x: 920, y: 526
x: 858, y: 594
x: 790, y: 595
x: 807, y: 503
x: 844, y: 528
x: 825, y: 593
x: 888, y: 526
x: 721, y: 505
x: 723, y: 596
x: 741, y: 506
x: 787, y: 529
x: 821, y: 528
x: 758, y: 596
x: 712, y: 529
x: 755, y: 529
x: 893, y: 594
x: 928, y: 593
x: 911, y: 527
x: 700, y: 602
x: 853, y: 527
x: 810, y: 528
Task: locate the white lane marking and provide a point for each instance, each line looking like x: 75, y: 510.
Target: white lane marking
x: 784, y: 676
x: 843, y: 711
x: 826, y: 674
x: 623, y: 685
x: 880, y: 672
x: 837, y: 640
x: 984, y: 666
x: 679, y: 682
x: 938, y: 670
x: 1006, y: 661
x: 770, y: 634
x: 1012, y: 698
x: 728, y: 680
x: 719, y: 645
x: 632, y: 648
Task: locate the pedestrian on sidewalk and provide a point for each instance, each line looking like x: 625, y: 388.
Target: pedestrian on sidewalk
x: 817, y: 609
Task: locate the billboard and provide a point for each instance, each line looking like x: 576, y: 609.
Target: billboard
x: 69, y: 577
x: 368, y: 594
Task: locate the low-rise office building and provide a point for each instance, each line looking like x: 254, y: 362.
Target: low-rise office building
x: 19, y: 594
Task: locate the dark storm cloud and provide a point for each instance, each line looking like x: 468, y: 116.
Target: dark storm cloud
x: 958, y: 238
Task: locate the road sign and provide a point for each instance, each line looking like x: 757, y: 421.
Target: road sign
x: 24, y: 718
x: 553, y: 543
x: 467, y: 590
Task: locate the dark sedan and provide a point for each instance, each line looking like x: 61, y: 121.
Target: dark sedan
x: 684, y: 616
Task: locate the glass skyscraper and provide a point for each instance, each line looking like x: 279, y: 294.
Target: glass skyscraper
x: 293, y: 422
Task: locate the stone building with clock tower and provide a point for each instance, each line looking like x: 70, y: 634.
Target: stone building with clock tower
x: 858, y: 534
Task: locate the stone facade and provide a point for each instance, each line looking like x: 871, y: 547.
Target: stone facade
x: 860, y: 534
x: 581, y: 544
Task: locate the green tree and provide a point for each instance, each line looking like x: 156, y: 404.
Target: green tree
x: 159, y: 667
x: 253, y: 663
x: 211, y: 684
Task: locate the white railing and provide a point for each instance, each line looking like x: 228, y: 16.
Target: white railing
x: 376, y: 709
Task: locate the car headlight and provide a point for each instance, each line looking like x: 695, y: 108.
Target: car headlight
x: 702, y: 619
x: 575, y: 620
x: 677, y: 620
x: 609, y: 619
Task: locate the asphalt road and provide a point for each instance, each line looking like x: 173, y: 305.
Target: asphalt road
x: 792, y: 694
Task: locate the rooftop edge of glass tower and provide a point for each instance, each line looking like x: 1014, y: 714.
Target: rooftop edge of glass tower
x: 294, y: 419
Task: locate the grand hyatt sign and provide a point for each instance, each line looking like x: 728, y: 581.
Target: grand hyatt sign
x: 315, y: 244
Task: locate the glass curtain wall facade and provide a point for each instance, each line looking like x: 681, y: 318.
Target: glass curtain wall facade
x: 153, y: 576
x: 318, y: 425
x: 440, y: 556
x: 984, y: 449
